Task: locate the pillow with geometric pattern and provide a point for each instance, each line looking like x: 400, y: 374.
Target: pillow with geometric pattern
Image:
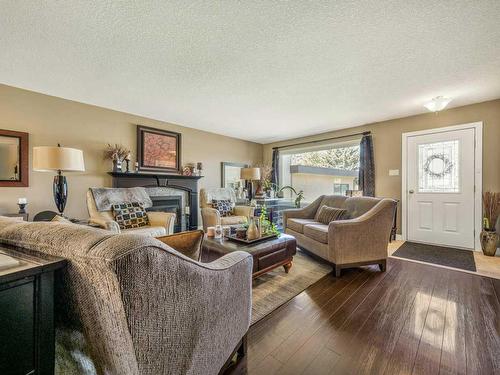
x: 130, y: 215
x: 224, y: 206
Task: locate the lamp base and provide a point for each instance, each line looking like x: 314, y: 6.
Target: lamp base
x: 60, y: 190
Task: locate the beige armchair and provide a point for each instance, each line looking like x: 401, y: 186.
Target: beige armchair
x: 360, y: 238
x: 161, y: 223
x: 211, y: 216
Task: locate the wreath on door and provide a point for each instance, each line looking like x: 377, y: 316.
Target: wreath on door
x: 447, y: 166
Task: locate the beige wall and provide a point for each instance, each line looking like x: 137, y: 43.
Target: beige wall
x: 387, y: 142
x: 50, y: 120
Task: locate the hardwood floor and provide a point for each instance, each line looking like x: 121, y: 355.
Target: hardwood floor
x: 413, y: 318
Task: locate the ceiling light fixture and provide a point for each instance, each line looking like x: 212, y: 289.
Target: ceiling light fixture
x: 437, y: 104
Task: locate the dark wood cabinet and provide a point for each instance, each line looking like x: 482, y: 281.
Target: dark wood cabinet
x: 27, y: 313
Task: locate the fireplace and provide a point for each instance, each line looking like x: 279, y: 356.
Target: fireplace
x: 171, y: 203
x: 169, y: 193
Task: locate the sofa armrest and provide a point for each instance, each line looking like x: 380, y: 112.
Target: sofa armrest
x: 210, y: 217
x: 364, y: 238
x: 246, y: 211
x: 187, y: 243
x: 106, y: 224
x: 176, y: 305
x: 162, y: 219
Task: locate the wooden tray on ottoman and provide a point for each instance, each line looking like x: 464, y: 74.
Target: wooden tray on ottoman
x: 267, y: 255
x: 248, y: 242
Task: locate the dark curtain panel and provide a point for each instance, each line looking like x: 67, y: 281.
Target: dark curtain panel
x: 366, y: 166
x: 275, y: 176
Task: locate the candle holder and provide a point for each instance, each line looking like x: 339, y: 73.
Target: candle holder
x: 22, y: 207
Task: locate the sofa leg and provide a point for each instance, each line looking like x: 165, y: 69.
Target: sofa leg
x: 383, y: 265
x: 237, y: 358
x: 338, y: 271
x: 242, y: 350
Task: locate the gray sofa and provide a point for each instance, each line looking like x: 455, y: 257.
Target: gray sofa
x: 360, y: 238
x: 141, y: 306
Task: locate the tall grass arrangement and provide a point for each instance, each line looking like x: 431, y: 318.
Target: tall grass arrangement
x: 491, y: 209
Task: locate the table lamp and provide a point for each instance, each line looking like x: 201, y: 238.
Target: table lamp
x: 60, y: 159
x: 250, y: 175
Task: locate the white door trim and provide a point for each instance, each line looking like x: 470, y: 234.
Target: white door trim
x: 478, y: 174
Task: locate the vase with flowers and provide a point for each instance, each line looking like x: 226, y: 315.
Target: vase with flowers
x: 489, y: 235
x: 116, y: 153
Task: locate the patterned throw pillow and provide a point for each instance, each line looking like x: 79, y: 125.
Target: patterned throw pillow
x: 224, y: 206
x: 327, y: 214
x: 130, y: 215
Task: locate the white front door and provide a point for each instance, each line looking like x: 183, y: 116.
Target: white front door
x: 440, y: 188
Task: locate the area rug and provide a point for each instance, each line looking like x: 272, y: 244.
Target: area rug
x: 443, y: 256
x: 275, y: 288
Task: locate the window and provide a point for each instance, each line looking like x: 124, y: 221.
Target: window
x: 314, y: 170
x: 438, y: 167
x: 340, y: 189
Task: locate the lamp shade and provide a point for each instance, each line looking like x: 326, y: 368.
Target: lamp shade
x: 65, y: 159
x: 250, y: 174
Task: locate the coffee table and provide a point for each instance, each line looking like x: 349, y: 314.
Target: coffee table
x: 267, y: 254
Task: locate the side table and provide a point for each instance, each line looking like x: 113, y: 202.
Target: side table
x: 27, y: 312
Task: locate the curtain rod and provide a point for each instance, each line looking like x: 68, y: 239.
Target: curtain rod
x: 323, y: 140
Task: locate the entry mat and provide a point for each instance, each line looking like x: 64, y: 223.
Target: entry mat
x: 444, y: 256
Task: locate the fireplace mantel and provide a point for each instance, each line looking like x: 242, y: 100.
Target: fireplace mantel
x: 153, y: 175
x: 177, y: 181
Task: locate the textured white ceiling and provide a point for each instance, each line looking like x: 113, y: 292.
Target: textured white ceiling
x: 257, y: 70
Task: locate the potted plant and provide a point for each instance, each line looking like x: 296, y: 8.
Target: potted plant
x: 298, y: 196
x: 489, y: 236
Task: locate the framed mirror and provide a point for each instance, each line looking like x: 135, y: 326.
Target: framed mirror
x: 14, y: 153
x: 230, y: 175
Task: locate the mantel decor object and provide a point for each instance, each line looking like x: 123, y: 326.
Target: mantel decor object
x: 117, y: 154
x: 59, y: 159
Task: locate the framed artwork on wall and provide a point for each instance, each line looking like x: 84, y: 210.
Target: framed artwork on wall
x: 158, y: 150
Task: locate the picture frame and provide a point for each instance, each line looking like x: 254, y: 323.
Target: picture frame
x: 158, y: 150
x: 229, y: 172
x: 18, y: 144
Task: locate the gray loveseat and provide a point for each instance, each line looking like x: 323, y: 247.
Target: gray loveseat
x: 360, y: 238
x: 142, y: 307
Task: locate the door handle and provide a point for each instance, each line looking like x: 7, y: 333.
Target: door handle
x: 411, y: 191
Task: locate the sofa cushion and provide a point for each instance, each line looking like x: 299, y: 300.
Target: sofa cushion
x: 224, y: 206
x: 327, y: 214
x: 149, y: 231
x: 317, y: 232
x: 331, y: 201
x: 231, y: 220
x: 297, y: 225
x: 130, y: 215
x: 357, y: 206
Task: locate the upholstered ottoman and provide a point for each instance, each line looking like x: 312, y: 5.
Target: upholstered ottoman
x: 267, y: 254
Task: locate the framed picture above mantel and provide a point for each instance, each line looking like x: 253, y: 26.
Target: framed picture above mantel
x: 158, y: 150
